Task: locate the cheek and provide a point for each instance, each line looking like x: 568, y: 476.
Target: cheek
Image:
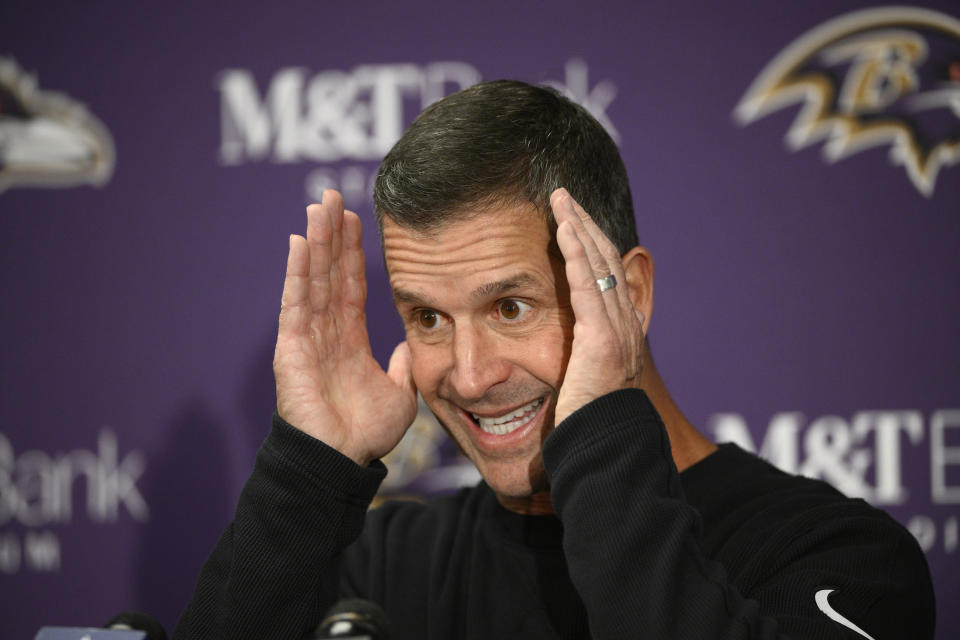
x: 548, y: 353
x: 427, y: 368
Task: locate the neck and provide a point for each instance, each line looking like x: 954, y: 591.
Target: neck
x: 687, y: 445
x: 536, y: 505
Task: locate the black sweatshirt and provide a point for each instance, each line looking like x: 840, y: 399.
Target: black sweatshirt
x: 731, y: 548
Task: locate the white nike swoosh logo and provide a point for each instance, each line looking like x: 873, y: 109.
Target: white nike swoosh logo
x: 823, y: 605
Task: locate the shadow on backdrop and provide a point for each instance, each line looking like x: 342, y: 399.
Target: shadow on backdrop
x: 190, y: 476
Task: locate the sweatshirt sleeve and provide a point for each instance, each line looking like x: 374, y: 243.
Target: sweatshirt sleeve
x: 275, y: 569
x: 630, y: 539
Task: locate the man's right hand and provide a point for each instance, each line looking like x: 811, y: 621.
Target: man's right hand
x: 328, y: 383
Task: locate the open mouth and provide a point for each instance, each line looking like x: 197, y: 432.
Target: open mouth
x: 508, y: 422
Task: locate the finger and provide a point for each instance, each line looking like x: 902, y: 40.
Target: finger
x: 350, y: 302
x: 606, y: 248
x: 628, y: 318
x: 600, y: 265
x: 400, y: 368
x: 563, y: 209
x: 332, y: 204
x: 324, y: 223
x: 589, y: 308
x: 352, y: 265
x: 599, y: 240
x: 294, y: 312
x: 319, y: 239
x: 610, y: 253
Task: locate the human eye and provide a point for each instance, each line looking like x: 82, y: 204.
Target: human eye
x: 512, y: 310
x: 427, y: 319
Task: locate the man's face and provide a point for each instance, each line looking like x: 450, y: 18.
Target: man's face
x: 489, y: 324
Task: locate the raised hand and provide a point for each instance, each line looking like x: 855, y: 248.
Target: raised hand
x: 328, y: 383
x: 607, y: 348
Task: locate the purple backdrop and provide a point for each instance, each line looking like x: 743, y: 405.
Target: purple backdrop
x: 805, y: 307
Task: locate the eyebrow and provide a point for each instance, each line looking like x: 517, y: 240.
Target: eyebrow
x: 490, y: 289
x: 500, y: 287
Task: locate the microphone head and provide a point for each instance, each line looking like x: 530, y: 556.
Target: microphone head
x: 354, y: 618
x: 138, y: 621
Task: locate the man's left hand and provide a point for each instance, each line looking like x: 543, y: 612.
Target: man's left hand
x: 607, y: 349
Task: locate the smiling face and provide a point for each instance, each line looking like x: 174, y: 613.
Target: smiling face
x: 489, y: 324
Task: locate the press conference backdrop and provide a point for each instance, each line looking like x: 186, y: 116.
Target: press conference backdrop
x: 795, y: 174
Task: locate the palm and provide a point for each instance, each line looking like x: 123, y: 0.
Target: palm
x: 328, y: 383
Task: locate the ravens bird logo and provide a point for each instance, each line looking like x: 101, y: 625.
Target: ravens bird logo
x: 46, y: 138
x: 883, y: 76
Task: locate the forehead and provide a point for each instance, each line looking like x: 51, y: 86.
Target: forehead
x: 474, y: 246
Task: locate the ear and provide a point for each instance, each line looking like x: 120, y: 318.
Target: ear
x: 638, y: 269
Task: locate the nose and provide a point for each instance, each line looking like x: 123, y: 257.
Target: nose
x: 477, y: 365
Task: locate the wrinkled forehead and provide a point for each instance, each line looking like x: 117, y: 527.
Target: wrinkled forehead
x: 499, y: 225
x: 469, y: 247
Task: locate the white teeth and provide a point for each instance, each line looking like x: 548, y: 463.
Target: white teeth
x: 508, y: 422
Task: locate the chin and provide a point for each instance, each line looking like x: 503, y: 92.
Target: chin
x: 513, y: 472
x: 517, y: 481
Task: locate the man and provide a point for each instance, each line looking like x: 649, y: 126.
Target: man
x: 603, y: 512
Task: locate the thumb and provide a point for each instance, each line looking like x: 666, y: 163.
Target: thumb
x: 400, y: 368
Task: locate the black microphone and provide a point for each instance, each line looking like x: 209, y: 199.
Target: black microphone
x: 354, y: 619
x: 138, y: 621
